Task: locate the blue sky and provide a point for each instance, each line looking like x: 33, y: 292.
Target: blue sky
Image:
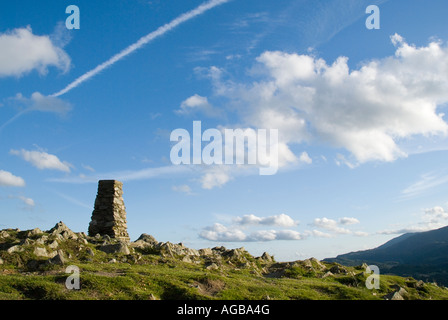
x: 360, y: 114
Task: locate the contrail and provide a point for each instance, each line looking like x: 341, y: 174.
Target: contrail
x: 141, y: 42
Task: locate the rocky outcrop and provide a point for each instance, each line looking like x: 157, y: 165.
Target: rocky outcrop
x: 109, y: 214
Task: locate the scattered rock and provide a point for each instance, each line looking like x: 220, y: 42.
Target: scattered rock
x: 328, y: 274
x: 187, y: 259
x: 205, y: 252
x: 90, y: 252
x: 399, y: 293
x: 212, y: 266
x: 267, y: 257
x: 15, y: 248
x: 120, y: 247
x: 34, y: 232
x: 317, y: 264
x: 58, y: 258
x: 338, y: 269
x: 40, y: 252
x: 147, y: 238
x: 4, y: 234
x: 53, y: 245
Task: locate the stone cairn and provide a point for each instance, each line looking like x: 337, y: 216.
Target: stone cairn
x: 109, y: 214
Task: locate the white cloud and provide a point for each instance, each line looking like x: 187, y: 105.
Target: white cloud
x: 435, y: 214
x: 197, y: 103
x: 39, y: 102
x: 431, y: 218
x: 221, y: 233
x: 7, y: 179
x: 21, y: 52
x: 348, y: 220
x: 368, y: 111
x: 320, y: 234
x: 43, y: 160
x: 288, y: 235
x: 330, y: 225
x: 281, y: 220
x: 182, y: 188
x: 27, y: 201
x: 215, y: 176
x: 305, y: 158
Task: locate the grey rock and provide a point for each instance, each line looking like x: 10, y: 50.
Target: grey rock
x: 40, y: 252
x: 54, y: 244
x: 90, y: 252
x: 267, y: 257
x: 15, y: 248
x: 120, y: 247
x: 212, y: 266
x: 319, y: 265
x: 34, y: 232
x: 4, y: 234
x: 205, y: 252
x: 147, y: 238
x: 59, y: 258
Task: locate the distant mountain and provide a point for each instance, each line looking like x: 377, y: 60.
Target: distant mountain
x: 422, y: 255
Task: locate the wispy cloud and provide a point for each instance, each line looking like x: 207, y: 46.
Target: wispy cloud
x: 72, y: 200
x: 427, y: 182
x: 183, y: 189
x: 127, y: 175
x: 37, y: 102
x: 141, y: 42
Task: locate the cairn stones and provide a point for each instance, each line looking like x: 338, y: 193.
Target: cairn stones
x: 109, y: 214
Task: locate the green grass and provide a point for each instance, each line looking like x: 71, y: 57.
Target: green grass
x: 144, y: 275
x: 139, y: 282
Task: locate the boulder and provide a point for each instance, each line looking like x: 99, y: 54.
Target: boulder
x: 40, y: 252
x: 399, y: 293
x: 317, y: 264
x: 4, y: 234
x: 34, y: 232
x: 41, y: 240
x: 62, y: 232
x: 58, y: 258
x: 54, y: 244
x: 120, y: 247
x: 147, y: 238
x: 205, y: 252
x: 267, y: 257
x: 15, y: 248
x: 338, y: 269
x: 212, y: 266
x: 90, y: 252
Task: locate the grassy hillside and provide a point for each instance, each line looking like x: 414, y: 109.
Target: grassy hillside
x: 33, y: 265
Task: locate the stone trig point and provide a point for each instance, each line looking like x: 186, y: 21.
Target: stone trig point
x: 109, y: 214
